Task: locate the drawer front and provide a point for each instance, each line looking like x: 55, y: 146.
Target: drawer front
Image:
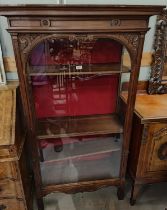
x: 79, y: 24
x: 156, y: 148
x: 7, y: 154
x: 8, y: 170
x: 9, y: 188
x: 4, y: 153
x: 12, y: 204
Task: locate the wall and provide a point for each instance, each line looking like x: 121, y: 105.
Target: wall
x: 7, y: 44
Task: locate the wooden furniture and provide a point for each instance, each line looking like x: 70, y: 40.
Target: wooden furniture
x: 158, y: 78
x: 15, y: 180
x: 148, y: 148
x: 66, y: 58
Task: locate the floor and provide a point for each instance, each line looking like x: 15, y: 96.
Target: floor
x: 153, y: 197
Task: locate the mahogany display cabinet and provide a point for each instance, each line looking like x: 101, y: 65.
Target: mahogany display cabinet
x: 69, y: 61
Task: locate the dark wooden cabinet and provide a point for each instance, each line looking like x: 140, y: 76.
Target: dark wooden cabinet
x: 15, y: 174
x: 148, y: 149
x: 70, y: 70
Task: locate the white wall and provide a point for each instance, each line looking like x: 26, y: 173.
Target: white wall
x: 6, y: 40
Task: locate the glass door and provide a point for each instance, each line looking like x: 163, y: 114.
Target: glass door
x: 75, y: 90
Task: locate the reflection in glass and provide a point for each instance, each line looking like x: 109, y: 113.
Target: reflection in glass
x: 75, y: 86
x: 80, y: 159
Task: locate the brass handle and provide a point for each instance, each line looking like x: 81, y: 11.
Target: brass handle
x: 2, y: 207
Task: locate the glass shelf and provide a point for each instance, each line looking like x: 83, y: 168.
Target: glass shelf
x: 79, y: 126
x: 78, y: 148
x: 98, y: 69
x: 79, y: 159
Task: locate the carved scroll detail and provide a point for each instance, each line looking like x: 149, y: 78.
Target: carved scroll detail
x: 28, y: 41
x: 131, y: 41
x: 159, y: 134
x: 160, y: 46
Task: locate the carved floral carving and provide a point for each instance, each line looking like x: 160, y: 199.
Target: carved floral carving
x: 115, y: 22
x: 45, y: 23
x: 28, y: 41
x: 160, y: 47
x: 159, y: 134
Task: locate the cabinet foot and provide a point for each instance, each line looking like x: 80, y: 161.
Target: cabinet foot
x: 132, y: 202
x: 120, y: 193
x: 40, y: 204
x: 134, y: 193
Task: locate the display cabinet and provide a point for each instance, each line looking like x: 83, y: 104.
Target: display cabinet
x: 69, y: 61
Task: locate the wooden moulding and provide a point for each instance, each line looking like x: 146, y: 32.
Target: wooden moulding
x: 78, y: 10
x: 87, y: 186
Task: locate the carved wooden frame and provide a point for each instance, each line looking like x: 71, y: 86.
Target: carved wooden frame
x: 27, y: 42
x: 156, y: 86
x: 133, y: 42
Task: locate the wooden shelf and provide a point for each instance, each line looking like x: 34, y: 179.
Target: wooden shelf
x: 79, y: 126
x: 83, y: 149
x: 86, y: 69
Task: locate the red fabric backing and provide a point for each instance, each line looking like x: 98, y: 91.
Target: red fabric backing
x: 88, y: 97
x: 95, y: 96
x: 103, y: 51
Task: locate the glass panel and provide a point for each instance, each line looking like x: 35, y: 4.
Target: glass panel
x: 68, y: 160
x: 75, y: 91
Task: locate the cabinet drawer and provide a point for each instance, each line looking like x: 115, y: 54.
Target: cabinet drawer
x: 9, y: 188
x: 11, y: 204
x: 8, y: 170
